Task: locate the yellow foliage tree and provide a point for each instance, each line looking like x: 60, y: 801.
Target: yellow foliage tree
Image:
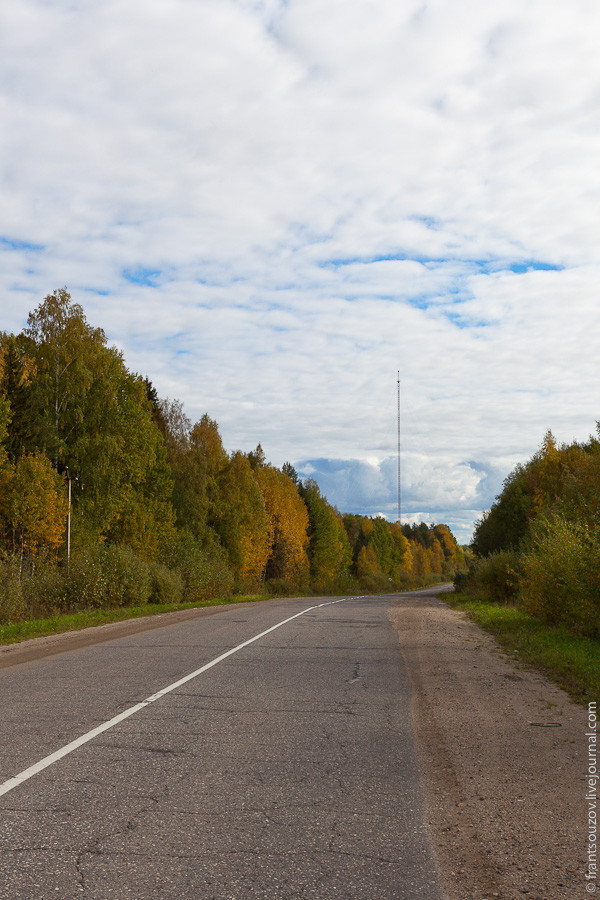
x: 436, y: 557
x: 287, y: 523
x: 402, y: 554
x: 35, y: 507
x: 241, y: 522
x: 547, y: 473
x: 367, y: 565
x: 421, y: 564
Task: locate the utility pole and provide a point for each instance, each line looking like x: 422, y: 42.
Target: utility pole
x: 69, y: 522
x: 399, y: 469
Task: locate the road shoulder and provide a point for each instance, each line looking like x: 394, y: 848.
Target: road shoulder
x: 503, y: 755
x: 63, y: 641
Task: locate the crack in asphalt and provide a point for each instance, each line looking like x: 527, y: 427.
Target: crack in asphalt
x: 92, y: 849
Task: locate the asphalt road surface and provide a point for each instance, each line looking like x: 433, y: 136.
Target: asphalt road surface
x: 285, y: 770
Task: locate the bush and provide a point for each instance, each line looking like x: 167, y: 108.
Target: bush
x: 12, y: 601
x: 103, y: 576
x: 280, y: 587
x: 494, y: 578
x: 128, y: 578
x: 86, y: 582
x: 27, y: 596
x: 204, y: 570
x: 114, y: 575
x: 166, y: 586
x: 374, y: 584
x: 44, y: 592
x: 560, y: 581
x: 110, y: 575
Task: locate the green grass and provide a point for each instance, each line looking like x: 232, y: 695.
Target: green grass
x: 13, y: 632
x: 570, y: 661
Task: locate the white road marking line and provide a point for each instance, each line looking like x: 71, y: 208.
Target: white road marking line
x: 37, y: 767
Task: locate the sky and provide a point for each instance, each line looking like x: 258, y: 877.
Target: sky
x: 272, y: 207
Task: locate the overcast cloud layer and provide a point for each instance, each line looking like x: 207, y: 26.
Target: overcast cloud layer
x: 272, y: 207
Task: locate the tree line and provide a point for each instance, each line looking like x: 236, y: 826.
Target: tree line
x: 539, y: 544
x: 155, y: 508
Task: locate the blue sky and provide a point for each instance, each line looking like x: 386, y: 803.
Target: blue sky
x: 272, y: 207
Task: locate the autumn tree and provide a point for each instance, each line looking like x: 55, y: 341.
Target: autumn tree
x: 68, y: 353
x: 197, y: 459
x: 401, y: 553
x: 329, y: 550
x: 287, y: 523
x: 580, y: 496
x: 241, y: 522
x: 34, y: 506
x: 18, y: 388
x: 436, y: 557
x: 367, y: 564
x: 421, y: 564
x: 381, y: 542
x: 386, y: 544
x: 95, y: 420
x: 530, y: 489
x: 541, y: 537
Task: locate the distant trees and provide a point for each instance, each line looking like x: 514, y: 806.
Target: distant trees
x: 381, y: 553
x: 159, y: 509
x: 434, y: 549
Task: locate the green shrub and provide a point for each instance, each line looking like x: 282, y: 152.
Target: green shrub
x: 205, y: 570
x: 374, y: 584
x: 24, y: 595
x: 128, y: 577
x: 166, y: 585
x: 12, y: 601
x: 86, y: 583
x: 105, y: 576
x: 280, y: 587
x: 495, y: 577
x: 44, y: 591
x: 560, y: 580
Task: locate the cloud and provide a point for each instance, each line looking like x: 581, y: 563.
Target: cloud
x: 433, y: 490
x: 272, y: 207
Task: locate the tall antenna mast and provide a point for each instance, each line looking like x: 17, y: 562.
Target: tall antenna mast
x: 399, y: 488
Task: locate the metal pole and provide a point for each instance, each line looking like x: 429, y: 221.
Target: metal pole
x: 399, y: 470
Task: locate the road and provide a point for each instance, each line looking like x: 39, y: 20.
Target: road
x: 287, y: 769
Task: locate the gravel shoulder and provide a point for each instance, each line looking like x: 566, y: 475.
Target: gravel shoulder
x: 503, y: 753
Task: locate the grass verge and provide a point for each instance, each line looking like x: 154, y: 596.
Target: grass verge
x: 12, y: 632
x: 571, y: 662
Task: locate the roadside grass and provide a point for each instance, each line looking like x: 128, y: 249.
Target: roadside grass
x: 12, y: 632
x: 570, y: 661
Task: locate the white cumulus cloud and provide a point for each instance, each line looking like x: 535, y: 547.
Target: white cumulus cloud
x: 272, y: 207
